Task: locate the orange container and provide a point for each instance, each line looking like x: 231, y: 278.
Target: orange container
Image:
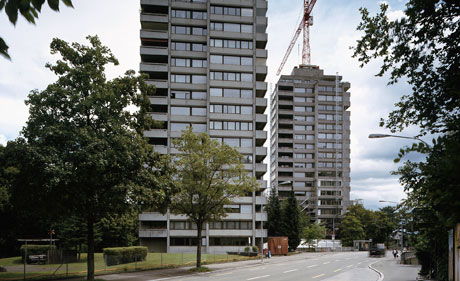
x: 278, y: 245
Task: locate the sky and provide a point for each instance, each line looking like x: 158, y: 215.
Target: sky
x: 117, y: 24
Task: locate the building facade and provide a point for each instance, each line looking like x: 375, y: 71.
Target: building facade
x: 310, y: 142
x: 207, y: 59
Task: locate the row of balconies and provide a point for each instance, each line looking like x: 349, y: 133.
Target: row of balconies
x: 260, y: 102
x: 260, y: 4
x: 260, y: 86
x: 160, y: 34
x: 260, y: 151
x: 154, y: 216
x: 158, y: 233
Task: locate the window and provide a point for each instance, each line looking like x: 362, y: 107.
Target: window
x: 231, y: 27
x: 231, y: 76
x: 235, y: 44
x: 176, y: 110
x: 182, y: 62
x: 199, y: 111
x: 330, y: 117
x: 230, y: 11
x: 329, y: 108
x: 230, y: 125
x: 186, y: 14
x: 246, y: 209
x: 198, y: 79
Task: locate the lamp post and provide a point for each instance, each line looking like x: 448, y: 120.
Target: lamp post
x: 262, y: 228
x: 402, y: 230
x: 380, y: 136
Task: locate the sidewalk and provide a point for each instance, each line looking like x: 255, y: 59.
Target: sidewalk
x: 392, y: 270
x: 156, y: 274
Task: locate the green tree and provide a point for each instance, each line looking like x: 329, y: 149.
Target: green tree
x: 313, y: 231
x: 422, y: 48
x: 209, y: 176
x: 274, y: 215
x: 351, y: 229
x: 292, y: 221
x: 95, y: 159
x: 29, y: 9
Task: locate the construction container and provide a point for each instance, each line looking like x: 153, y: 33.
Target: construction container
x: 278, y: 245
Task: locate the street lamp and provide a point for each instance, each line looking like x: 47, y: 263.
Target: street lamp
x: 379, y: 136
x: 262, y: 227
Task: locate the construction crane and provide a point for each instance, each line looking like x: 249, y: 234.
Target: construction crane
x: 304, y: 25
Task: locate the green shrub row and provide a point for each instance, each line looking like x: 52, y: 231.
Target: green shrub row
x: 120, y: 255
x: 36, y: 250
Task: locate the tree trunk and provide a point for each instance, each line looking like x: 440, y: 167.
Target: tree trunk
x: 90, y: 260
x: 199, y: 227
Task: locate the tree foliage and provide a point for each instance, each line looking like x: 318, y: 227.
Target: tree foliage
x: 313, y: 231
x: 422, y: 48
x: 351, y: 229
x: 274, y: 214
x: 93, y: 158
x: 292, y: 222
x: 209, y: 175
x: 29, y: 9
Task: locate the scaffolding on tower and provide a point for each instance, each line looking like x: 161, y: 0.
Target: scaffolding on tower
x: 305, y: 23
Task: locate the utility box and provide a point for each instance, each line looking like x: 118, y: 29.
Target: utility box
x: 278, y: 245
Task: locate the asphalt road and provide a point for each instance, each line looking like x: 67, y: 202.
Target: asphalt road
x: 327, y: 266
x: 346, y: 266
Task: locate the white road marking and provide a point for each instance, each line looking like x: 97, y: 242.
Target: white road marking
x: 337, y: 260
x: 318, y: 276
x: 338, y: 269
x: 326, y: 262
x: 290, y: 270
x: 350, y: 265
x: 258, y: 277
x: 359, y: 262
x: 312, y: 265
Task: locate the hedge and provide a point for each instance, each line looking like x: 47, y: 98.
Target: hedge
x: 120, y: 255
x: 36, y: 250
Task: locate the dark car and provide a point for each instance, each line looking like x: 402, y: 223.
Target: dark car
x: 377, y: 250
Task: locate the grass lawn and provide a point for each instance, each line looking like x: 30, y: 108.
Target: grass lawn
x: 154, y: 260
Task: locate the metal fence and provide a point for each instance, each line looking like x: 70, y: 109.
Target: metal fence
x: 15, y: 270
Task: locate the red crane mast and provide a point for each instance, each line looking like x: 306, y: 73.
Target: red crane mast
x: 304, y: 25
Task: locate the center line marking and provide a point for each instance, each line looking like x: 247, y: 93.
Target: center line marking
x: 326, y: 262
x: 350, y: 265
x: 318, y: 276
x: 253, y: 278
x: 338, y: 269
x: 290, y: 270
x: 312, y: 265
x: 359, y: 262
x: 337, y: 260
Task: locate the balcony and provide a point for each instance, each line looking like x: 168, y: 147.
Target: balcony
x: 161, y: 149
x: 156, y: 133
x: 154, y: 51
x: 261, y: 216
x: 261, y: 233
x: 152, y: 216
x: 153, y: 67
x: 188, y: 5
x: 154, y: 34
x: 154, y: 18
x: 238, y: 3
x: 262, y: 86
x: 155, y: 2
x: 157, y: 83
x: 152, y: 233
x: 261, y: 53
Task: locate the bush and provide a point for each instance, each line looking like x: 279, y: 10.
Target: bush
x: 255, y: 249
x: 36, y: 250
x: 121, y: 255
x: 247, y: 249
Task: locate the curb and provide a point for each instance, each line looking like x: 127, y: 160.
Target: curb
x: 381, y: 276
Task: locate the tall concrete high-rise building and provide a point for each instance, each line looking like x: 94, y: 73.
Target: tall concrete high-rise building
x: 207, y: 59
x: 310, y: 142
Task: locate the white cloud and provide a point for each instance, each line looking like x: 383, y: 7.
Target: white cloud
x: 117, y: 24
x: 3, y: 140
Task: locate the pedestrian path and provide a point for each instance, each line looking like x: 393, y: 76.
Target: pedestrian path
x: 392, y: 270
